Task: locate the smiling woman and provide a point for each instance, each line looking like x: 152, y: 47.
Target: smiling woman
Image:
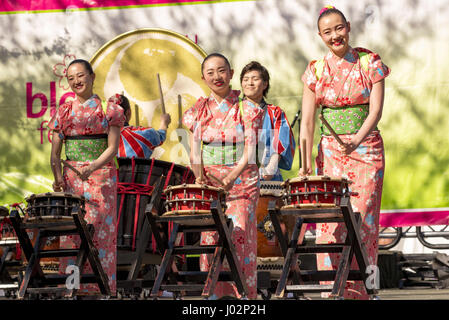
x: 349, y: 86
x: 91, y: 136
x: 227, y: 134
x: 276, y: 143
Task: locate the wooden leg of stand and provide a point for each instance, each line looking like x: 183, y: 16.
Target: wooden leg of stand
x: 274, y: 217
x: 214, y: 272
x: 92, y: 254
x: 225, y: 234
x: 24, y: 239
x: 342, y: 271
x: 166, y: 264
x: 354, y: 236
x: 33, y: 266
x: 291, y: 259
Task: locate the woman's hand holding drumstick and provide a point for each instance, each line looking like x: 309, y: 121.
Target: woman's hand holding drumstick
x: 347, y: 147
x: 331, y: 130
x: 211, y: 176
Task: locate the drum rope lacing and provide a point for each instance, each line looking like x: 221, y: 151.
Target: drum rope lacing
x: 141, y: 189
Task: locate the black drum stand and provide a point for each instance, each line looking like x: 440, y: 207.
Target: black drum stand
x: 352, y: 247
x: 35, y: 282
x: 169, y: 278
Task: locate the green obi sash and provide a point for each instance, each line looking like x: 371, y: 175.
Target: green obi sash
x: 216, y: 153
x: 85, y: 148
x: 345, y: 120
x: 220, y: 153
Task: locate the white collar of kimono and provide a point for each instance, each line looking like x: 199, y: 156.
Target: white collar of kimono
x: 224, y: 99
x: 88, y: 100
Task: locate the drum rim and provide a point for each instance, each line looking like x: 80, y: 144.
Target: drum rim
x: 194, y: 186
x: 187, y: 212
x: 316, y: 178
x: 147, y: 161
x: 309, y: 205
x: 55, y: 195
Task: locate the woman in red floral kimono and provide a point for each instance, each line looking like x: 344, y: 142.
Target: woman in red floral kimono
x: 216, y: 120
x: 91, y: 135
x: 349, y: 85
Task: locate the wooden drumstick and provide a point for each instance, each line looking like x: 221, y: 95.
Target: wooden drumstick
x: 331, y: 130
x: 179, y: 111
x: 201, y: 165
x: 160, y: 93
x: 136, y: 108
x: 68, y: 165
x: 210, y: 175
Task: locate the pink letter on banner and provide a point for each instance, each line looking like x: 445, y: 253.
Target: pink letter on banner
x: 31, y: 98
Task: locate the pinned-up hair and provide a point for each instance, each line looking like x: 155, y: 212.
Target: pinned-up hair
x: 218, y: 55
x: 327, y: 10
x: 86, y: 64
x: 121, y: 100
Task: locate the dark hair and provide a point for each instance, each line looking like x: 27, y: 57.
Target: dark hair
x: 124, y: 103
x: 86, y: 64
x: 327, y: 12
x: 256, y: 66
x: 215, y: 54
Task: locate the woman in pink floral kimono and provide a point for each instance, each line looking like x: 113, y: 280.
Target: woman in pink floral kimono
x: 216, y: 120
x: 91, y: 135
x: 349, y: 85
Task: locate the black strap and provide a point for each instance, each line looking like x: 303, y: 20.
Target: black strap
x: 88, y: 137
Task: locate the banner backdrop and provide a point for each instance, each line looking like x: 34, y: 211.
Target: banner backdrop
x: 132, y: 41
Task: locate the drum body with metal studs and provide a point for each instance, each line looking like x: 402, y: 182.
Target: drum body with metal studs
x: 315, y: 191
x: 190, y: 199
x: 54, y: 206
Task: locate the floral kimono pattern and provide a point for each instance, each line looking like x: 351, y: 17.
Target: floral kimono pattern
x: 214, y: 122
x: 345, y: 83
x: 88, y: 118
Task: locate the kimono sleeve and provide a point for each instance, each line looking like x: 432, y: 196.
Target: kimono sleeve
x: 191, y: 117
x: 115, y: 115
x: 60, y: 117
x: 309, y: 76
x: 377, y: 70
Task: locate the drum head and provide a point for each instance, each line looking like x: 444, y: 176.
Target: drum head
x: 316, y: 178
x: 156, y: 168
x: 54, y: 195
x: 194, y: 186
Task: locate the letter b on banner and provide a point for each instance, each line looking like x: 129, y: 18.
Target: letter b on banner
x: 73, y: 280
